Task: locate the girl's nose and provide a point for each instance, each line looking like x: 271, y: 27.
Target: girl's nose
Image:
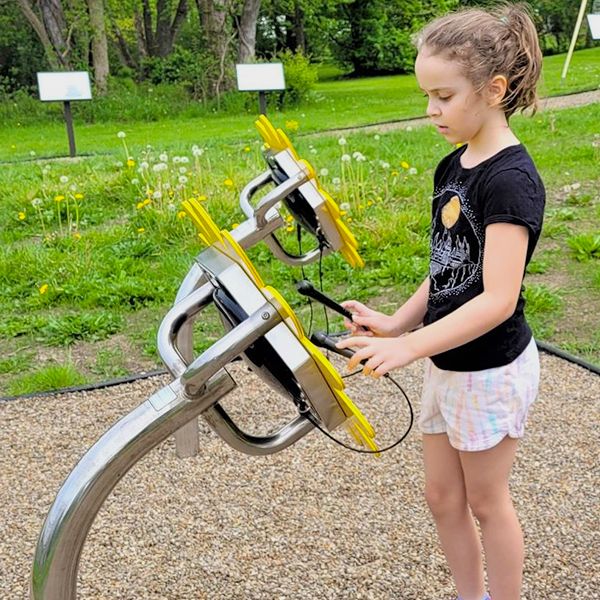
x: 433, y: 109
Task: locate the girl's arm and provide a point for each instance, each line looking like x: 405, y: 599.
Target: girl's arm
x: 503, y: 265
x: 407, y: 317
x: 410, y: 315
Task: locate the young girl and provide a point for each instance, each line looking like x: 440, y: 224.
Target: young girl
x: 476, y: 68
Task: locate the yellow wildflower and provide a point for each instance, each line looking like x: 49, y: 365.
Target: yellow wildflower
x: 235, y: 225
x: 404, y: 164
x: 228, y: 182
x: 130, y: 162
x: 59, y: 198
x: 78, y: 196
x: 181, y: 214
x: 370, y: 203
x: 201, y: 198
x: 140, y: 205
x: 247, y: 149
x: 147, y: 201
x: 21, y: 216
x: 77, y: 235
x: 394, y: 173
x: 43, y: 288
x: 289, y: 218
x: 292, y: 125
x: 349, y: 219
x: 290, y: 228
x: 342, y: 212
x: 141, y: 229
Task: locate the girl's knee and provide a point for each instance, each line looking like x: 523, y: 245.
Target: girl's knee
x: 487, y: 504
x: 445, y: 501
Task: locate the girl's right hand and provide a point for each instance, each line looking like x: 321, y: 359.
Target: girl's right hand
x: 368, y: 322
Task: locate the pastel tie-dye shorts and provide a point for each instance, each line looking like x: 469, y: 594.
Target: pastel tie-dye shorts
x: 477, y: 409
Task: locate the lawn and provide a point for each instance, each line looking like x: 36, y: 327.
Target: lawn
x: 92, y: 251
x: 339, y: 103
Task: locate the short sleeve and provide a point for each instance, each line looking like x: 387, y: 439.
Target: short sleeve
x: 515, y: 196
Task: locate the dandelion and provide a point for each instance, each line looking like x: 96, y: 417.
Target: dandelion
x: 349, y: 219
x: 144, y: 165
x: 183, y: 179
x: 32, y: 153
x: 77, y: 235
x: 130, y: 162
x: 196, y: 151
x: 289, y: 228
x: 119, y: 164
x: 228, y: 183
x: 394, y: 173
x: 64, y: 179
x: 404, y: 164
x: 135, y: 181
x: 412, y: 171
x: 121, y: 135
x: 345, y: 206
x: 346, y: 158
x: 59, y: 198
x: 182, y: 170
x: 181, y: 214
x: 21, y: 215
x: 78, y: 196
x: 342, y: 141
x: 158, y: 167
x: 184, y: 160
x: 313, y: 150
x: 336, y: 181
x: 409, y: 128
x: 176, y: 160
x: 43, y: 288
x: 163, y: 157
x: 369, y: 202
x: 324, y: 172
x: 376, y: 137
x: 157, y: 195
x: 235, y: 225
x: 289, y: 218
x: 37, y: 202
x: 141, y: 229
x: 247, y: 149
x: 292, y: 125
x: 384, y: 165
x: 202, y: 198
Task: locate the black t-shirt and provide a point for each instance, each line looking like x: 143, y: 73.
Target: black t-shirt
x: 505, y: 188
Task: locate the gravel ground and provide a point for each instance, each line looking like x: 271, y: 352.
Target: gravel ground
x: 314, y: 521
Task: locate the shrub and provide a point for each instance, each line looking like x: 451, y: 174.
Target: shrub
x: 300, y: 78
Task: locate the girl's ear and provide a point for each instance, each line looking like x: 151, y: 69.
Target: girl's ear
x: 496, y: 89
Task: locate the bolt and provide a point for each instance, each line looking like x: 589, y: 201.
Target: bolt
x: 265, y: 316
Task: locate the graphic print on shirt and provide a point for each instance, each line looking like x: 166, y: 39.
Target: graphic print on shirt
x: 456, y: 244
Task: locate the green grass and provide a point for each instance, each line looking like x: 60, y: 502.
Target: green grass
x: 51, y: 377
x: 339, y: 103
x: 97, y: 291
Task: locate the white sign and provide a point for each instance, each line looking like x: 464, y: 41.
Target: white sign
x: 594, y: 23
x: 260, y: 77
x: 64, y: 86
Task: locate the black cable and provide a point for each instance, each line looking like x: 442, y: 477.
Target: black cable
x: 304, y: 410
x: 299, y: 235
x: 321, y: 248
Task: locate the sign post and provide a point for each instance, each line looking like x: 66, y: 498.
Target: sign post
x: 260, y: 78
x: 64, y: 87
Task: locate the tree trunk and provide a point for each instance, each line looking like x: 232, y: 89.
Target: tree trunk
x: 99, y: 45
x: 166, y: 31
x: 40, y: 30
x: 217, y: 32
x: 299, y: 34
x: 247, y: 31
x: 53, y: 18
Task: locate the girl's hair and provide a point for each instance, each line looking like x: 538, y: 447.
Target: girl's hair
x: 499, y: 41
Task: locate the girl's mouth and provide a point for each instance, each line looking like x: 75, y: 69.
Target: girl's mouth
x: 442, y: 128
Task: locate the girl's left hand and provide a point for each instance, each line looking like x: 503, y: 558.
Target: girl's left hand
x: 382, y: 354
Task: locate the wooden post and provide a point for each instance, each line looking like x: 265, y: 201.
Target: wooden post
x: 69, y: 123
x: 574, y: 38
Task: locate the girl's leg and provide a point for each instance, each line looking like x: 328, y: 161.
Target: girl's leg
x: 447, y: 499
x: 486, y: 476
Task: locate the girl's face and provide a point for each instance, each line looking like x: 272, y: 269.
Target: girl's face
x: 456, y: 109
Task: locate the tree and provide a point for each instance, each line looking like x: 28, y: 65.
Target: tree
x: 50, y: 26
x: 99, y: 44
x: 247, y: 31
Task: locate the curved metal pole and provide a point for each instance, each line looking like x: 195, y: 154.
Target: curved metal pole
x: 221, y: 423
x: 54, y: 575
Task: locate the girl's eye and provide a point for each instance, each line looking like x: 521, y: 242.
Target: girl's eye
x: 444, y: 98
